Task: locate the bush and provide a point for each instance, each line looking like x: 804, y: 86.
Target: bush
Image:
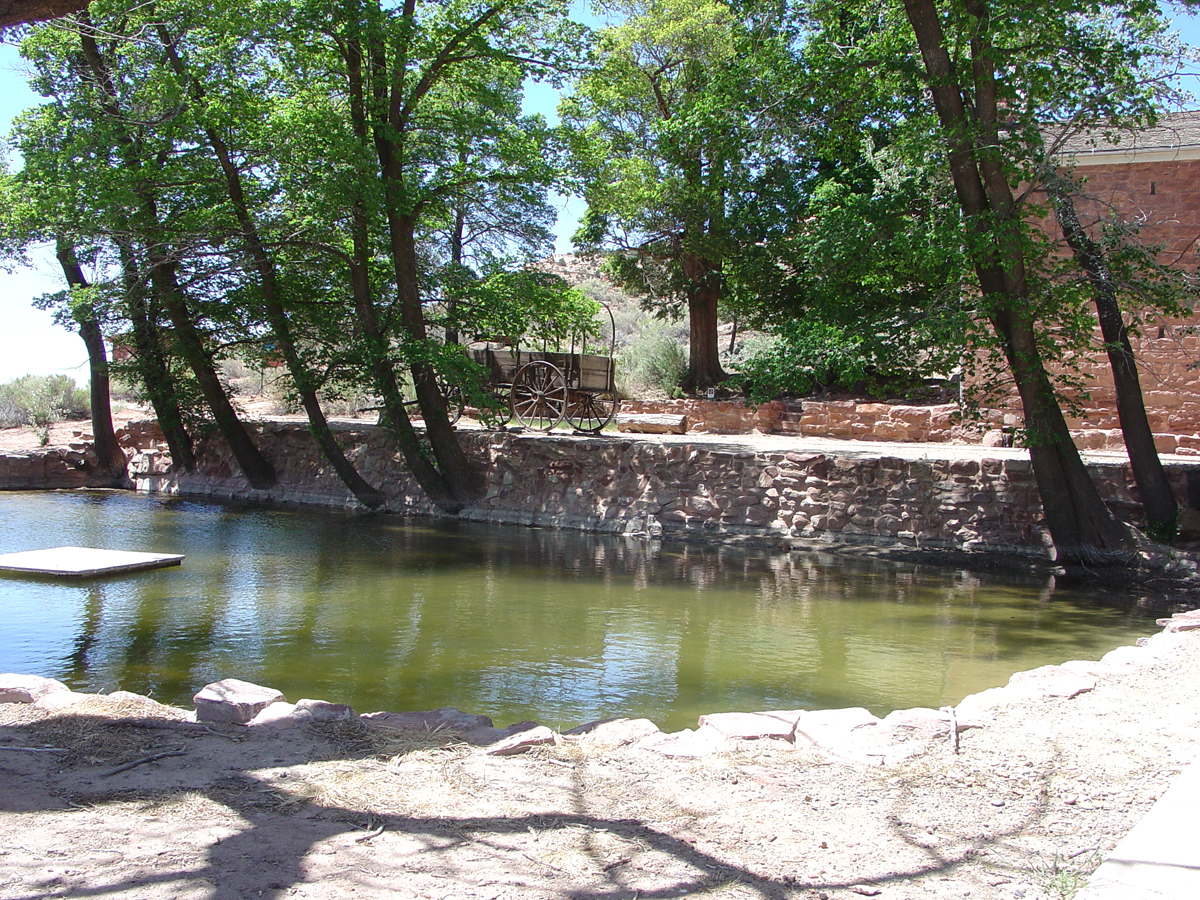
x: 37, y: 399
x: 802, y: 357
x: 652, y: 362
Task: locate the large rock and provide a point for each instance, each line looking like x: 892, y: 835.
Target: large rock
x: 652, y: 423
x: 1053, y: 681
x: 1185, y: 621
x: 279, y: 715
x: 522, y: 740
x: 688, y: 744
x: 322, y: 711
x: 27, y: 688
x: 753, y: 726
x: 612, y: 733
x: 831, y: 728
x: 232, y: 701
x: 920, y: 722
x: 59, y: 700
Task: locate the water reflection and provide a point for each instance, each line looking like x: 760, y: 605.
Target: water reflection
x: 388, y: 613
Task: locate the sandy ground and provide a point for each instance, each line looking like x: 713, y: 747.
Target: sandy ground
x: 23, y: 438
x: 1025, y: 808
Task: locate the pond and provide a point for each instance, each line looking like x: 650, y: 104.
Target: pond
x: 393, y: 613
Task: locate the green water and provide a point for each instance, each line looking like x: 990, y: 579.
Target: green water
x: 391, y: 613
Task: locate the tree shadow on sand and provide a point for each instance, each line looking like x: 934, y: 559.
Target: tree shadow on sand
x: 271, y: 812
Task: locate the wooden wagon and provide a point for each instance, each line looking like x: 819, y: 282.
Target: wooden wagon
x: 541, y: 388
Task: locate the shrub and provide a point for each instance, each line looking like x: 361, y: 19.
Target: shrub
x: 36, y: 399
x: 802, y: 357
x: 652, y: 362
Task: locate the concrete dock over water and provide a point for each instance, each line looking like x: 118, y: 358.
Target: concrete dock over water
x: 84, y: 562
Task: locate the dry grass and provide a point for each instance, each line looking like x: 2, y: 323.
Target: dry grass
x: 101, y: 731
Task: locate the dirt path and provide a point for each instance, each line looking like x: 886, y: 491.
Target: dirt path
x: 1030, y: 802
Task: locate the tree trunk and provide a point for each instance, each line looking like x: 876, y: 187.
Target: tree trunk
x: 456, y: 258
x: 111, y: 457
x: 384, y: 374
x: 152, y: 364
x: 704, y: 357
x: 465, y: 484
x: 264, y: 265
x: 258, y: 471
x: 375, y: 335
x: 389, y: 124
x: 1158, y: 499
x: 1081, y: 526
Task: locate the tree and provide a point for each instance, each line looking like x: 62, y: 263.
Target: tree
x: 279, y: 175
x: 421, y: 80
x: 998, y: 76
x: 80, y: 307
x: 49, y: 200
x: 220, y: 123
x: 858, y: 273
x: 1112, y: 264
x: 83, y: 310
x: 164, y: 267
x: 97, y: 160
x: 657, y: 137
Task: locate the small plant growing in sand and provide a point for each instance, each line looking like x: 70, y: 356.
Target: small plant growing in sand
x: 1060, y: 878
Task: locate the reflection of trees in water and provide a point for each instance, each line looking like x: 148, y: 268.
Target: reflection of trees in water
x: 89, y: 629
x: 400, y: 613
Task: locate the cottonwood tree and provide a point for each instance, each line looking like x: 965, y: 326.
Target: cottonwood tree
x: 229, y: 94
x: 659, y: 136
x: 420, y: 82
x: 1114, y: 265
x: 129, y: 157
x: 79, y: 308
x: 989, y: 83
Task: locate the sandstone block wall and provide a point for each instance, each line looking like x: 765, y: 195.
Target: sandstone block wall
x: 854, y: 420
x: 613, y: 484
x: 53, y: 469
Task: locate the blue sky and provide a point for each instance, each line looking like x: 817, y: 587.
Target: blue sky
x: 31, y: 343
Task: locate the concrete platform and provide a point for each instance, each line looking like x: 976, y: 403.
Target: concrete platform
x: 84, y: 562
x: 1160, y: 858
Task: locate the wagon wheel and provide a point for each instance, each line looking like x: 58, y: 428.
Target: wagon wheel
x: 496, y: 417
x: 455, y: 401
x: 591, y: 410
x: 539, y: 395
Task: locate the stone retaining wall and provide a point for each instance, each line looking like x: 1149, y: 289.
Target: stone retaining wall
x: 613, y: 484
x: 52, y: 469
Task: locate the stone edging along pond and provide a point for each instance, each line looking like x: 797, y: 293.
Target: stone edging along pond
x: 680, y: 489
x: 850, y: 736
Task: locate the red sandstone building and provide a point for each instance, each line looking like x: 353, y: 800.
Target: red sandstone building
x: 1150, y: 178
